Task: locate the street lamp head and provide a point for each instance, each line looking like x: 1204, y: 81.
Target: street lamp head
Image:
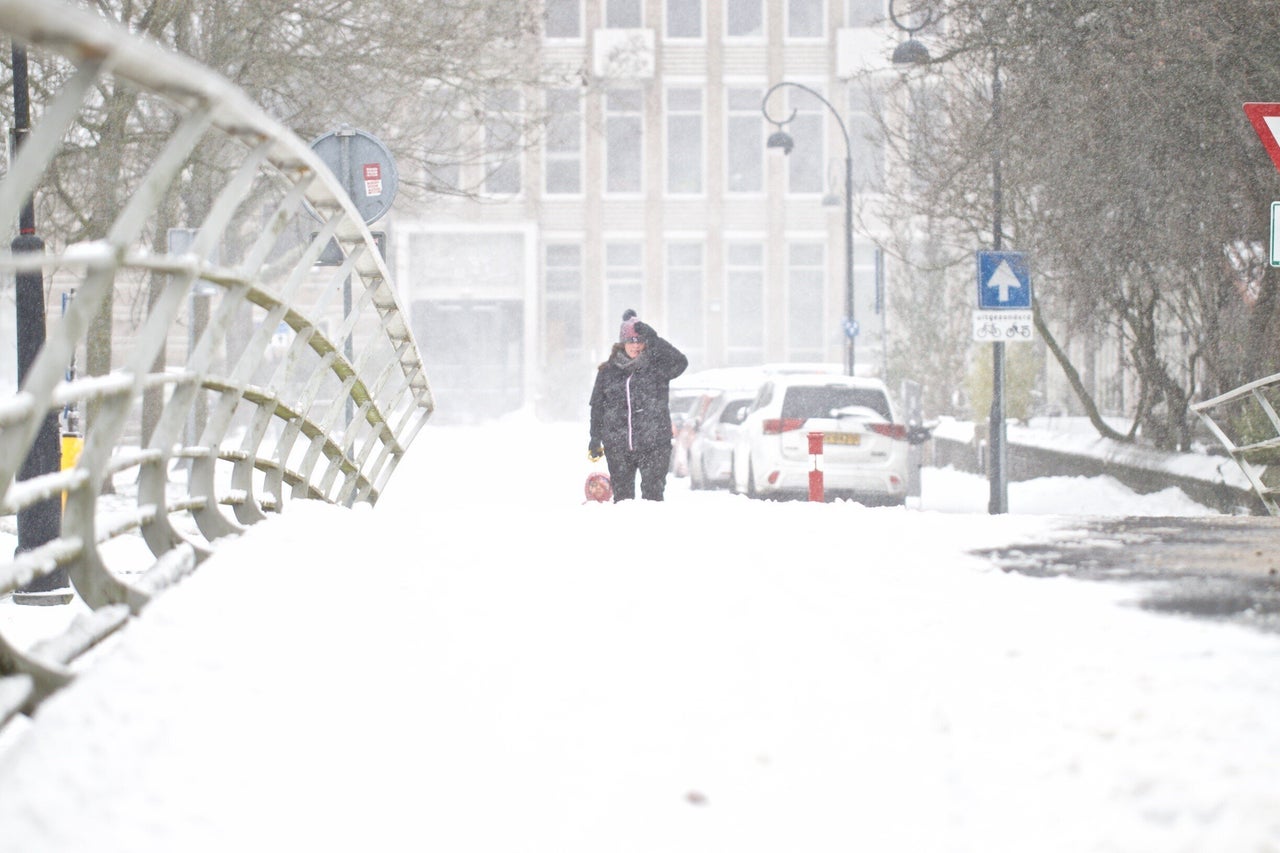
x: 911, y: 52
x: 781, y: 139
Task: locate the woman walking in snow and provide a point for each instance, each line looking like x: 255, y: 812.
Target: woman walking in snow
x: 630, y: 419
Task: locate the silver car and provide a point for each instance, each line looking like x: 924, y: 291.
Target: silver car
x: 711, y: 451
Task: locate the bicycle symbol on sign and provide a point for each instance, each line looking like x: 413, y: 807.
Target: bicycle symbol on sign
x: 989, y: 329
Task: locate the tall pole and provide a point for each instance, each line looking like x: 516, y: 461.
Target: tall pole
x: 783, y: 140
x: 999, y: 479
x: 41, y: 522
x: 851, y: 331
x: 345, y: 132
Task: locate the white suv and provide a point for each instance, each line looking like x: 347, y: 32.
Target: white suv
x: 864, y: 444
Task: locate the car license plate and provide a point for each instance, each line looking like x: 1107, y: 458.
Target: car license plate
x: 851, y: 439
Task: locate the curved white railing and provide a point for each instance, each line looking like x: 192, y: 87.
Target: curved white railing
x: 1244, y: 420
x: 264, y: 406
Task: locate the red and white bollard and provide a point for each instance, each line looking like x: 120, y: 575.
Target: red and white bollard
x: 815, y: 476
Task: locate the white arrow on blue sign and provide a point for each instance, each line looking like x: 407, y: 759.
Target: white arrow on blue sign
x: 1003, y: 281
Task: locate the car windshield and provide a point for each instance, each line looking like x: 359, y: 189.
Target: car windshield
x: 822, y: 401
x: 682, y: 404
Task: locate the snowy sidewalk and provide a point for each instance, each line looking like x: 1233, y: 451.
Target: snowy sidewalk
x: 463, y: 670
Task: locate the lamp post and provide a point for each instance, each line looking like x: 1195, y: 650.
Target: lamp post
x: 782, y: 140
x: 911, y: 51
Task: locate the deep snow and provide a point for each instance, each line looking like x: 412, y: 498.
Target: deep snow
x: 486, y: 663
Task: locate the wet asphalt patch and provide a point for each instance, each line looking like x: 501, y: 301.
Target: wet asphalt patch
x: 1221, y: 568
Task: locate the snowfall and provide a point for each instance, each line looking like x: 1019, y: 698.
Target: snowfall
x: 485, y: 662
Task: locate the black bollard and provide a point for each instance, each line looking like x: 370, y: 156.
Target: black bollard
x: 41, y: 522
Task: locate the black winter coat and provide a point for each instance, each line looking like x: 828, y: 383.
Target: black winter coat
x: 629, y: 405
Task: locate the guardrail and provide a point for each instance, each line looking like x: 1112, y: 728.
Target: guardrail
x: 265, y: 407
x: 1244, y: 420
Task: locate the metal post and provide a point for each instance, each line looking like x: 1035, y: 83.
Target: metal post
x: 882, y: 308
x: 41, y: 522
x: 345, y: 132
x: 851, y: 335
x: 999, y: 479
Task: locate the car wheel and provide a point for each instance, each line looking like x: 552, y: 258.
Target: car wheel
x: 751, y: 481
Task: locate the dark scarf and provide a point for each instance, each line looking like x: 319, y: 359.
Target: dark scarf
x: 630, y: 365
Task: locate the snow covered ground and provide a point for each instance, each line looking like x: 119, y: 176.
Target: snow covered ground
x: 486, y: 663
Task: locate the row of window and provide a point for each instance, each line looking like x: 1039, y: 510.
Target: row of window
x: 810, y: 168
x: 686, y: 19
x: 807, y: 332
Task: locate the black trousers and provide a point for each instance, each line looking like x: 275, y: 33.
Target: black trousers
x: 651, y: 463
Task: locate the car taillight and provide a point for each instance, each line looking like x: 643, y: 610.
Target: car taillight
x: 776, y: 426
x: 896, y: 431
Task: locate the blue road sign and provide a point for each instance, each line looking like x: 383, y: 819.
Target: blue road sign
x: 1003, y: 281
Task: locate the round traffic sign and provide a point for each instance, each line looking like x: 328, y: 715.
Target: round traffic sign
x: 364, y: 166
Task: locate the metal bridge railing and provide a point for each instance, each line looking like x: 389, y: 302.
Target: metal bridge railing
x: 263, y: 406
x: 1244, y: 420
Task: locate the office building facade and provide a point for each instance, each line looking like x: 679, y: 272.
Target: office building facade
x: 652, y: 188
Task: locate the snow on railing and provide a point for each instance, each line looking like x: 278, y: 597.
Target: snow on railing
x: 282, y: 393
x: 1244, y: 420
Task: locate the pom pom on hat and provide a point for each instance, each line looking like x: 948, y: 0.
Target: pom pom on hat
x: 628, y: 330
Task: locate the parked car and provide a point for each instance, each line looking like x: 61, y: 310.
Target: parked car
x: 864, y: 443
x: 711, y: 451
x: 684, y: 404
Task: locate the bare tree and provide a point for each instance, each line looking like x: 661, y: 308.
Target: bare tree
x: 402, y: 69
x: 1130, y: 175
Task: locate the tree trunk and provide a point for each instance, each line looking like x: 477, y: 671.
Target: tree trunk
x: 1073, y: 377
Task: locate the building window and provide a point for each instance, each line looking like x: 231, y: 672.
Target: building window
x: 744, y: 145
x: 684, y: 141
x: 744, y: 298
x: 806, y: 164
x: 744, y: 19
x: 865, y: 139
x: 502, y: 143
x: 864, y: 13
x: 563, y: 146
x: 806, y: 19
x: 685, y: 277
x: 563, y: 19
x: 624, y: 142
x: 684, y: 19
x: 623, y: 281
x: 623, y: 14
x: 563, y: 288
x: 806, y: 322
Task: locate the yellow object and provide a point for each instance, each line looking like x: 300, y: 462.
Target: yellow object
x: 72, y: 444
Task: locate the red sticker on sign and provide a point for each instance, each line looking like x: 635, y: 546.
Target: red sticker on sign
x: 372, y: 179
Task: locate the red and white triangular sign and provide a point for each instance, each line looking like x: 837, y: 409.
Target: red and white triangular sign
x: 1265, y: 119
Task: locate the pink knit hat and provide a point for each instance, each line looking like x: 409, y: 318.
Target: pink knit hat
x: 628, y: 331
